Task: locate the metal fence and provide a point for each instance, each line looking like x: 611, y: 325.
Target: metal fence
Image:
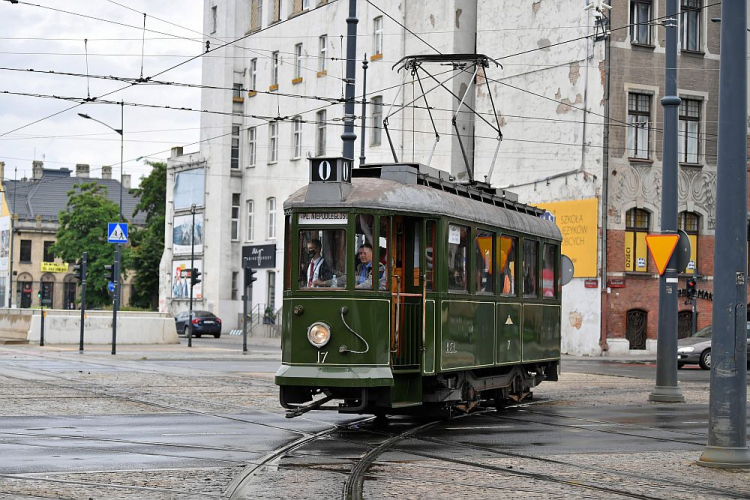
x: 263, y: 321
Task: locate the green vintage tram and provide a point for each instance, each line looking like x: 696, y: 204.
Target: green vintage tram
x: 405, y: 289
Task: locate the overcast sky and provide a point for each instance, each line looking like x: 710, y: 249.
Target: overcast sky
x: 42, y: 39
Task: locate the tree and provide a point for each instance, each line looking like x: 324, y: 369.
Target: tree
x: 147, y: 244
x: 83, y: 228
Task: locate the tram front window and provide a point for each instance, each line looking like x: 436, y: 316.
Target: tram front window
x: 322, y: 258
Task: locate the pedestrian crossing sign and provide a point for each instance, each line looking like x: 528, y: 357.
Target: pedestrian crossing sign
x: 117, y: 232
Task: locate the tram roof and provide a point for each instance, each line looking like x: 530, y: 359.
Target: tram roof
x: 394, y: 196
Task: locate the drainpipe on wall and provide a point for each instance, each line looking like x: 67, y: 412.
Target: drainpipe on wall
x: 605, y: 200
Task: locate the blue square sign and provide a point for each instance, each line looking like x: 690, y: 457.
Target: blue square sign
x: 117, y: 232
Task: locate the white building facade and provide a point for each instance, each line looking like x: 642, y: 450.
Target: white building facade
x: 274, y: 97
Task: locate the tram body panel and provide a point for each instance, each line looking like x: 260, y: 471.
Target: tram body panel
x: 508, y: 327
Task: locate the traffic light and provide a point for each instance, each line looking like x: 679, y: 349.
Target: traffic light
x: 78, y: 272
x: 249, y: 274
x: 194, y: 276
x: 39, y: 294
x: 692, y: 291
x: 109, y: 273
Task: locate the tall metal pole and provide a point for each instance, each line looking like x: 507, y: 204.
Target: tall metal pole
x: 666, y: 390
x: 84, y: 262
x: 12, y: 235
x: 351, y: 52
x: 694, y: 326
x: 245, y: 298
x: 192, y: 272
x: 116, y: 304
x: 727, y: 412
x: 364, y: 111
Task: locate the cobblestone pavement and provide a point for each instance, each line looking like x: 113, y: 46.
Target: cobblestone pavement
x: 134, y: 383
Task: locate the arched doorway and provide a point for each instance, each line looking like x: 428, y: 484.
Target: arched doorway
x: 70, y: 287
x: 23, y: 290
x: 684, y: 324
x: 636, y: 330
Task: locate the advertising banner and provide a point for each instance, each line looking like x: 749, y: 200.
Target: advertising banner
x: 181, y: 280
x: 181, y: 233
x: 578, y: 223
x: 260, y: 256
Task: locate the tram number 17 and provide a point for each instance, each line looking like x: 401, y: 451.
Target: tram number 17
x: 322, y: 356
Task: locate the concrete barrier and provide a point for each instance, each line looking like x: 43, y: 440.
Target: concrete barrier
x: 64, y: 327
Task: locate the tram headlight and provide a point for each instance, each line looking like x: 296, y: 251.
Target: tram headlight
x: 319, y: 334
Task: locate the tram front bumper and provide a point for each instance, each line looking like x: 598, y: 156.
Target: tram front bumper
x: 334, y: 376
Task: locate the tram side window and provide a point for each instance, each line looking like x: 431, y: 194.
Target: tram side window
x: 429, y: 251
x: 530, y: 268
x: 483, y: 264
x: 458, y: 242
x: 548, y: 272
x: 322, y: 258
x: 363, y: 242
x: 506, y: 263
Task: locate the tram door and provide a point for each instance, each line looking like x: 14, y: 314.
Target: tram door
x: 407, y: 295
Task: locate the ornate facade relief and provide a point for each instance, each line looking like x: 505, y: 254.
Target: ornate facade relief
x: 641, y: 185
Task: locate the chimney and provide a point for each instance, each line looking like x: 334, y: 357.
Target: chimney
x: 82, y: 170
x: 125, y: 181
x: 176, y: 151
x: 2, y: 171
x: 38, y: 169
x: 106, y: 172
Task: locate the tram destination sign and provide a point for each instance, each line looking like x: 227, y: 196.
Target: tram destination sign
x: 322, y: 218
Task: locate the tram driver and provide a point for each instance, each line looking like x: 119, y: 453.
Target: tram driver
x: 318, y: 271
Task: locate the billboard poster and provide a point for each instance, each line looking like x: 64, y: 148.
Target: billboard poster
x: 181, y: 233
x: 578, y: 223
x: 189, y: 188
x: 4, y: 242
x: 181, y: 280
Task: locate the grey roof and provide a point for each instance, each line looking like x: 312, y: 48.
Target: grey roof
x: 394, y: 196
x: 48, y: 196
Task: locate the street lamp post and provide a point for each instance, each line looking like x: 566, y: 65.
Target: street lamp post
x: 118, y: 249
x: 192, y: 275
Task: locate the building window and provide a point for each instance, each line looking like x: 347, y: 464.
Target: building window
x: 256, y: 9
x: 253, y: 74
x: 298, y: 61
x: 235, y: 216
x: 237, y: 91
x: 48, y: 257
x: 250, y: 215
x: 320, y: 142
x: 25, y: 251
x: 297, y: 139
x: 690, y: 222
x: 305, y: 4
x: 690, y: 114
x: 235, y: 277
x: 690, y: 21
x: 322, y: 63
x: 214, y: 17
x: 271, y: 292
x: 273, y: 142
x: 639, y: 113
x: 636, y: 230
x: 252, y: 146
x: 271, y: 218
x: 275, y: 69
x: 377, y: 47
x: 235, y: 156
x: 377, y: 121
x: 275, y: 11
x: 640, y: 22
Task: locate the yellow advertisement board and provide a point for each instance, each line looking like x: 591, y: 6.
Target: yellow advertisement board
x: 577, y: 221
x: 53, y: 267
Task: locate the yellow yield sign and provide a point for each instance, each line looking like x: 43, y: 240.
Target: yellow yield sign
x: 661, y: 247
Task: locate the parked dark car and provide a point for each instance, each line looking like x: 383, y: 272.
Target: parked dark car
x: 696, y: 349
x: 204, y: 322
